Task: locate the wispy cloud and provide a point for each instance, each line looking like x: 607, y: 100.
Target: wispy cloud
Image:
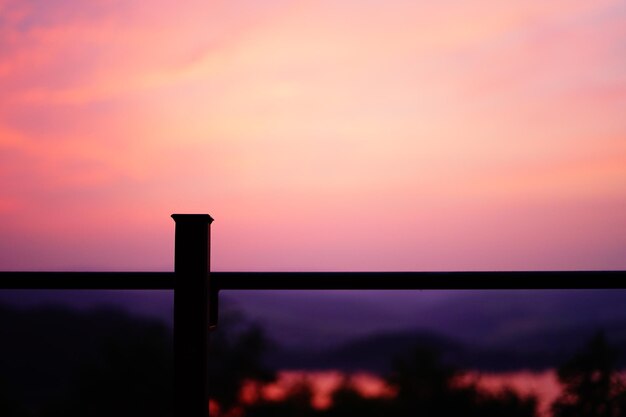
x: 438, y: 113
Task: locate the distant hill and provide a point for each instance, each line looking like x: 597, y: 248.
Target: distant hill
x: 377, y: 352
x: 372, y: 353
x: 316, y: 320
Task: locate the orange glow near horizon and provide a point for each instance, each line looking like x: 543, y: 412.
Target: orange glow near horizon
x: 322, y: 383
x: 320, y: 136
x: 543, y: 385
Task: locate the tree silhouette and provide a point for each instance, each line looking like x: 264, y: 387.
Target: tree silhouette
x: 427, y: 387
x: 347, y: 401
x: 422, y: 383
x: 236, y: 351
x: 58, y: 362
x: 592, y: 386
x: 9, y: 406
x: 505, y: 403
x: 297, y: 402
x: 424, y: 387
x: 134, y: 376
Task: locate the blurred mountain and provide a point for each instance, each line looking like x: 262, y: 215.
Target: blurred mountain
x: 376, y: 353
x: 323, y: 320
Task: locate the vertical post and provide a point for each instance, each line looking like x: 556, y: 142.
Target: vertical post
x: 191, y: 309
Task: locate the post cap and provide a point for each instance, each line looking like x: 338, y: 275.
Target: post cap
x: 192, y: 218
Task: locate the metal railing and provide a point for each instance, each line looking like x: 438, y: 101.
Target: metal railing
x: 196, y: 294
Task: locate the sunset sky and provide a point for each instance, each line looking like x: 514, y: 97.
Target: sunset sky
x: 320, y: 135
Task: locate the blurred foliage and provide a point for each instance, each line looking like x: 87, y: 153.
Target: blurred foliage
x: 424, y: 387
x: 105, y: 363
x: 133, y: 378
x: 236, y: 351
x: 347, y: 401
x: 91, y: 364
x: 427, y: 387
x: 296, y: 403
x: 592, y: 385
x: 9, y: 404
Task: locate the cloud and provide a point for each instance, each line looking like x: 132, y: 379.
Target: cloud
x: 298, y: 110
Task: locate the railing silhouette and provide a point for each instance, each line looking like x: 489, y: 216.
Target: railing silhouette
x: 196, y: 291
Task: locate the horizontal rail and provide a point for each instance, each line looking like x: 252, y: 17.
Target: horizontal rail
x: 87, y: 280
x: 420, y: 280
x: 538, y: 280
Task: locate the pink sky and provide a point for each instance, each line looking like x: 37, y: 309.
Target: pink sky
x: 321, y: 135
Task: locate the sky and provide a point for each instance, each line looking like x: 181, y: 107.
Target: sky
x: 320, y: 135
